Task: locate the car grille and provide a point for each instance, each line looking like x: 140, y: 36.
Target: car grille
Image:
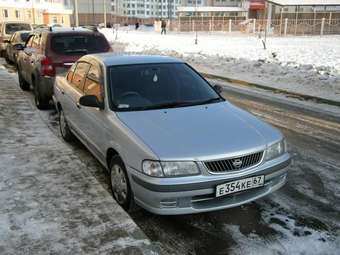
x: 234, y: 164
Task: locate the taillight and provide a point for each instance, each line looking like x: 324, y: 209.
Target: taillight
x: 47, y: 68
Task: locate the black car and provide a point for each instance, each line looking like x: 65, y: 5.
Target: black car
x: 16, y: 42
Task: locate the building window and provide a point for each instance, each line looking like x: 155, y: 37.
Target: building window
x: 17, y: 14
x: 5, y: 13
x: 54, y: 20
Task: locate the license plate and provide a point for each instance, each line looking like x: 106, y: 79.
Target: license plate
x: 239, y: 185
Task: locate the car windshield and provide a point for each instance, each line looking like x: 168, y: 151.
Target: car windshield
x: 11, y: 28
x: 77, y: 44
x: 158, y: 86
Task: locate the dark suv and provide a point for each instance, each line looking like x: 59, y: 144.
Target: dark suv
x: 50, y: 52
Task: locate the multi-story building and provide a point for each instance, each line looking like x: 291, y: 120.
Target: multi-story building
x: 229, y: 8
x: 166, y: 8
x: 92, y: 11
x: 36, y: 11
x: 146, y: 8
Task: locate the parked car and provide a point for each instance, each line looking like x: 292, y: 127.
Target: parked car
x: 7, y: 29
x: 170, y: 142
x: 48, y: 52
x: 16, y: 43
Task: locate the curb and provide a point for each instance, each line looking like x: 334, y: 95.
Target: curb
x: 275, y: 90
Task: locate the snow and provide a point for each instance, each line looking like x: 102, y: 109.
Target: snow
x: 307, y: 65
x: 50, y: 201
x: 293, y: 238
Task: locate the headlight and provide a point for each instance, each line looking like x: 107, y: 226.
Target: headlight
x: 152, y: 168
x: 276, y: 150
x: 169, y: 168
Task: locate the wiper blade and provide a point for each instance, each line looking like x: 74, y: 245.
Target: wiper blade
x: 168, y: 105
x: 211, y: 100
x: 76, y: 51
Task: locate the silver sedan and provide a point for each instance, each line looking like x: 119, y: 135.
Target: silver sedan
x: 170, y: 142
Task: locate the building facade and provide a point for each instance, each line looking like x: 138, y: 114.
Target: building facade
x: 146, y: 8
x: 167, y: 9
x: 92, y: 11
x: 36, y: 11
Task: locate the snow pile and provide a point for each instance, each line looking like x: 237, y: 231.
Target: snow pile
x: 308, y: 65
x: 292, y: 237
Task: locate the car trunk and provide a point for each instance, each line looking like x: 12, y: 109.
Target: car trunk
x: 67, y: 48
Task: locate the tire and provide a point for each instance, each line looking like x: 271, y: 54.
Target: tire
x: 120, y: 185
x: 7, y: 59
x: 65, y: 130
x: 42, y: 102
x: 24, y: 85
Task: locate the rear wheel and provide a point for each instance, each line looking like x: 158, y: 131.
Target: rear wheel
x: 120, y: 185
x: 22, y: 83
x: 65, y: 130
x: 42, y: 102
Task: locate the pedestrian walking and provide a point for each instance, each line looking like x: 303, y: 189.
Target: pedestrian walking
x: 137, y: 25
x: 163, y: 26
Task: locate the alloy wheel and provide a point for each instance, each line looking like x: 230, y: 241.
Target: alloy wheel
x: 119, y: 184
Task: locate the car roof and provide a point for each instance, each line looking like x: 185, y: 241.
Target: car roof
x: 16, y: 22
x: 65, y: 30
x: 112, y: 59
x: 23, y: 32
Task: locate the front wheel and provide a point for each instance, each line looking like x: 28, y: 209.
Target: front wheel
x: 120, y: 185
x: 24, y: 85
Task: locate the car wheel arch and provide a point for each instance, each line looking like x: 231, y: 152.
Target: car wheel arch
x: 110, y: 153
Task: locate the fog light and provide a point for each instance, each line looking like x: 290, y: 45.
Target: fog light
x: 168, y: 203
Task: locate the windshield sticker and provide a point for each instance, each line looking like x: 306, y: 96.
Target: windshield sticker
x: 120, y: 106
x: 155, y: 78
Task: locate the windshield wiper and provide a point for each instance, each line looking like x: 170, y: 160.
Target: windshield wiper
x: 167, y: 105
x: 178, y: 104
x: 208, y: 101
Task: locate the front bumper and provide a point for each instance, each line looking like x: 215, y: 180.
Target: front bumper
x: 195, y: 194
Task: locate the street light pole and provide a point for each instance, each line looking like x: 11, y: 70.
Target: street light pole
x: 76, y: 12
x: 104, y: 2
x: 196, y: 34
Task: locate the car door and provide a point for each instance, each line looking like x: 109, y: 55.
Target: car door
x: 25, y: 60
x: 34, y: 58
x: 9, y: 47
x: 72, y: 94
x: 93, y: 120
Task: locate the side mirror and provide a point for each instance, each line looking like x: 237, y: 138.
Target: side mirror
x: 18, y: 46
x: 6, y: 41
x: 218, y: 89
x: 90, y: 101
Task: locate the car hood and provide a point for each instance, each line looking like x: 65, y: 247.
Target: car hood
x: 202, y: 132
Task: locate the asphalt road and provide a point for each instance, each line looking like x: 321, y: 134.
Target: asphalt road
x: 301, y: 218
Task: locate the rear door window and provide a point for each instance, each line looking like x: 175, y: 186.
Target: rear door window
x: 30, y: 41
x: 70, y: 73
x: 93, y: 83
x: 11, y: 28
x: 78, y: 44
x: 79, y: 75
x: 36, y: 41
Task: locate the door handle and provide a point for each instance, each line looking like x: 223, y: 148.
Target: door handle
x: 78, y: 105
